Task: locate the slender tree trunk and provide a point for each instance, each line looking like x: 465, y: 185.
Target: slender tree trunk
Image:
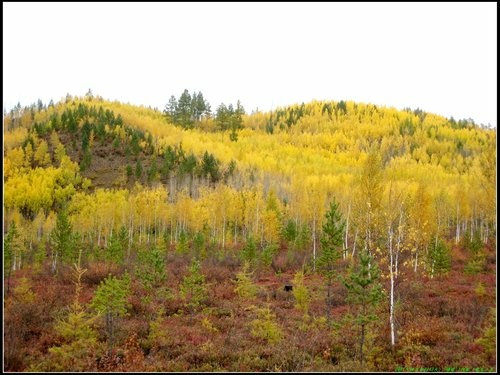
x: 396, y: 266
x: 130, y: 234
x: 426, y: 253
x: 296, y: 234
x: 223, y: 232
x: 171, y: 231
x: 361, y: 343
x: 398, y: 243
x: 471, y: 228
x: 39, y: 232
x: 262, y: 234
x: 155, y: 224
x: 354, y: 243
x: 437, y: 230
x: 213, y: 232
x: 416, y: 260
x: 9, y: 271
x: 54, y: 262
x: 369, y: 234
x: 314, y: 242
x: 176, y: 231
x: 257, y: 221
x: 391, y: 274
x: 111, y: 228
x: 346, y: 231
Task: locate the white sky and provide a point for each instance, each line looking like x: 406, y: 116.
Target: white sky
x: 440, y: 57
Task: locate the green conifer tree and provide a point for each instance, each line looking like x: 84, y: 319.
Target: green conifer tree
x: 331, y: 250
x: 64, y: 241
x: 11, y: 245
x: 110, y: 301
x: 364, y: 294
x: 193, y: 287
x: 439, y: 259
x: 245, y: 288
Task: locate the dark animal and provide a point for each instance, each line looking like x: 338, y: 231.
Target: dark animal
x: 288, y: 288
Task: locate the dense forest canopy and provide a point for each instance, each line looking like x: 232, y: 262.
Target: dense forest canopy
x: 323, y: 187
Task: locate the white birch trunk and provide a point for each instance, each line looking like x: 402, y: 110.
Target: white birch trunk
x: 346, y: 231
x: 314, y: 241
x: 223, y: 232
x: 391, y: 274
x: 354, y: 244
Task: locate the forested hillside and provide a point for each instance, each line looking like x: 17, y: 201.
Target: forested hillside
x: 326, y: 236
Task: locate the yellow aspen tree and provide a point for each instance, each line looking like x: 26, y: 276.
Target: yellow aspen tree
x: 368, y: 202
x: 315, y: 200
x: 13, y: 162
x: 42, y: 156
x: 28, y: 155
x: 420, y: 224
x: 271, y: 219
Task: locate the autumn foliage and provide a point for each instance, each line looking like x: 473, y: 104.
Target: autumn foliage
x: 136, y: 240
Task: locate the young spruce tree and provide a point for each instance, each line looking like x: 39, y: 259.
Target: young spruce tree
x: 331, y: 245
x: 110, y: 300
x: 364, y: 294
x: 193, y: 288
